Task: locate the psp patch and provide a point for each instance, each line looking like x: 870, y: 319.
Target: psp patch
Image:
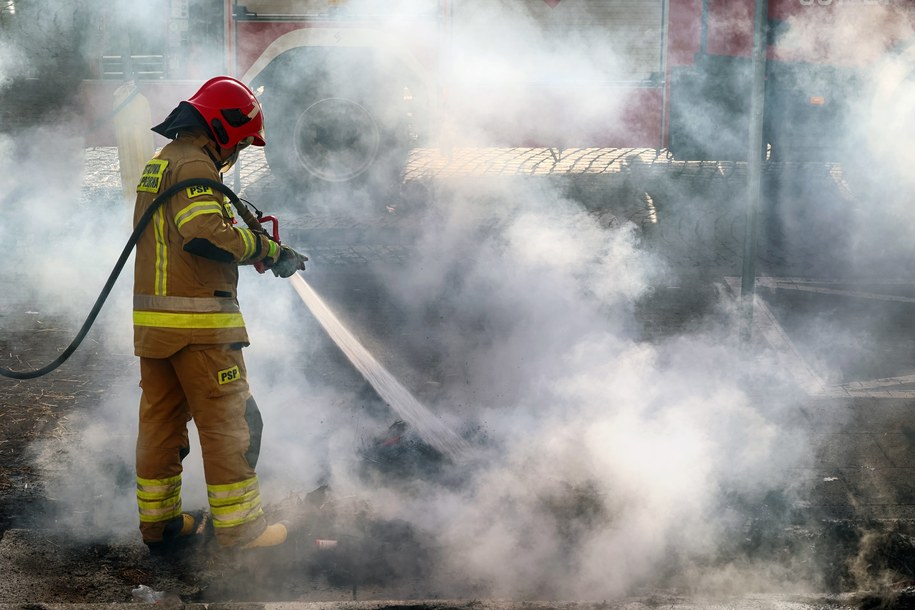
x: 228, y: 375
x: 197, y: 191
x: 151, y: 178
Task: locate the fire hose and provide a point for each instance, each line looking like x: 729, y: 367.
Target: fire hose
x: 248, y: 217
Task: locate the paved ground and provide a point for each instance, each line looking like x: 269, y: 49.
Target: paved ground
x: 849, y: 509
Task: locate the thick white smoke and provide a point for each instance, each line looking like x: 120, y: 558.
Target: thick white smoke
x: 873, y: 42
x: 608, y: 460
x: 52, y: 219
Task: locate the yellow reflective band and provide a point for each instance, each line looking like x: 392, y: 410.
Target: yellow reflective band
x: 158, y: 506
x: 271, y: 252
x: 156, y: 496
x: 144, y: 302
x: 238, y: 507
x: 154, y: 516
x: 248, y: 237
x: 159, y: 499
x: 230, y: 211
x: 159, y: 493
x: 245, y: 514
x: 236, y: 522
x: 249, y: 496
x: 161, y: 319
x: 197, y: 191
x: 235, y: 504
x: 227, y: 488
x: 151, y: 179
x: 169, y: 482
x: 161, y: 282
x: 196, y: 209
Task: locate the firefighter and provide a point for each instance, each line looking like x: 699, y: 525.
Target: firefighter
x: 189, y: 332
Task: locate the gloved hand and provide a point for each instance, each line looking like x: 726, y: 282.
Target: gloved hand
x: 288, y: 262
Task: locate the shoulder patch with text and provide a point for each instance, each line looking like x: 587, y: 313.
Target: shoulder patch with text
x: 228, y: 375
x: 197, y: 191
x: 151, y: 179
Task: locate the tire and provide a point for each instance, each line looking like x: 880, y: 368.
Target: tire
x: 336, y: 139
x: 327, y: 133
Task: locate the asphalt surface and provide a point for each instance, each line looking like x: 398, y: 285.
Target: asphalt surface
x: 857, y: 395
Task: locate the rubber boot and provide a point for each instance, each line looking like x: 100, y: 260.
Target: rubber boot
x: 188, y: 525
x: 180, y: 533
x: 274, y: 535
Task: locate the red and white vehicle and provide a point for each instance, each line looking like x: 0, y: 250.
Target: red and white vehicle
x: 349, y: 86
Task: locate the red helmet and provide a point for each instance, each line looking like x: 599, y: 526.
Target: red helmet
x: 231, y: 111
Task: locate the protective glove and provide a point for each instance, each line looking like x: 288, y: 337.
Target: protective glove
x: 288, y: 262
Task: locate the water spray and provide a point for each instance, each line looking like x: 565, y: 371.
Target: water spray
x: 427, y: 425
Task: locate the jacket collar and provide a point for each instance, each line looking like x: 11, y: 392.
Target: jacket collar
x: 203, y: 142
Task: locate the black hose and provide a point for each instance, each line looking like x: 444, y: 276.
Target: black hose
x: 128, y: 247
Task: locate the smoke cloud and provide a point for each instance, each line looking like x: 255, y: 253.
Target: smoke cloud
x: 608, y: 459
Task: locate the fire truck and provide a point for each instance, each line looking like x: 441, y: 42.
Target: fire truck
x: 350, y: 86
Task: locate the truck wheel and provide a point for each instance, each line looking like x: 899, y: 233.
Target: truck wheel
x: 328, y: 133
x: 335, y: 139
x: 338, y: 144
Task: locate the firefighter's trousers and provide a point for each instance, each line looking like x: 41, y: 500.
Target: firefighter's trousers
x: 208, y: 384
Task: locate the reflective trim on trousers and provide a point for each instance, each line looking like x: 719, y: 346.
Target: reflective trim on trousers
x: 235, y: 504
x: 159, y: 499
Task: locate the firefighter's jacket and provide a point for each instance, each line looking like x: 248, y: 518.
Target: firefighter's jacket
x: 186, y: 269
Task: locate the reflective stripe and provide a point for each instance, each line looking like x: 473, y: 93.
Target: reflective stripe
x: 161, y: 319
x: 235, y: 503
x: 159, y: 499
x: 237, y: 514
x: 147, y: 516
x: 271, y: 252
x: 228, y: 490
x: 161, y: 253
x: 194, y: 304
x: 196, y: 209
x: 150, y: 484
x: 249, y: 496
x: 250, y: 242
